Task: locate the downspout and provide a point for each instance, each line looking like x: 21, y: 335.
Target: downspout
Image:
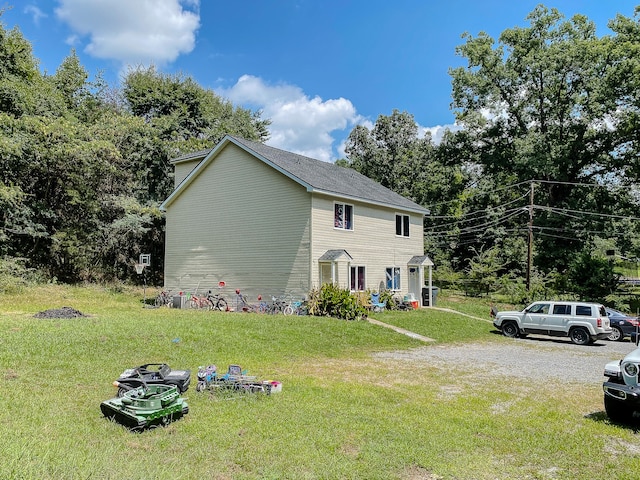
x: 430, y: 287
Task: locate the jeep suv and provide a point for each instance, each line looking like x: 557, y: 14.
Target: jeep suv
x: 622, y: 388
x: 582, y: 322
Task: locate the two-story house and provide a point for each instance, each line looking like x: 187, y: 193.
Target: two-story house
x: 267, y: 222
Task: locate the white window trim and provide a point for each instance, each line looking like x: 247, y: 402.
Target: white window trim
x: 394, y: 288
x: 402, y: 232
x: 356, y: 267
x: 344, y: 205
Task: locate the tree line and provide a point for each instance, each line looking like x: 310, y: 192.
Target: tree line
x: 84, y: 166
x: 546, y: 158
x: 539, y: 180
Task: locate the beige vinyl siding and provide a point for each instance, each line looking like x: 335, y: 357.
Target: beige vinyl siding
x: 241, y: 222
x: 182, y: 169
x: 372, y: 243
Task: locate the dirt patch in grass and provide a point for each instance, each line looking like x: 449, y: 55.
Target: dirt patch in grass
x: 64, y: 312
x: 415, y: 472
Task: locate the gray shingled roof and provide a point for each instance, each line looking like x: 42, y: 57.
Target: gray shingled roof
x: 333, y: 255
x: 420, y: 260
x: 329, y: 177
x: 319, y: 176
x: 192, y: 155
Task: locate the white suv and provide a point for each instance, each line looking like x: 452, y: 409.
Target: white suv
x: 582, y: 322
x: 622, y: 387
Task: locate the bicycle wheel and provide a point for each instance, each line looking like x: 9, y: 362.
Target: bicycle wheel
x: 206, y: 304
x: 222, y: 305
x: 195, y: 303
x: 159, y: 301
x: 288, y: 310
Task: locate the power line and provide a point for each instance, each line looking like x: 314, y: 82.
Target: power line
x: 477, y: 228
x: 488, y: 215
x: 477, y: 211
x: 606, y: 215
x: 507, y: 187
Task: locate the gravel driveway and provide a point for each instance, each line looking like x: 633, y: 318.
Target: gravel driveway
x: 534, y: 358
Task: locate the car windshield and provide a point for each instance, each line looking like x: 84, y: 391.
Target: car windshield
x: 538, y: 308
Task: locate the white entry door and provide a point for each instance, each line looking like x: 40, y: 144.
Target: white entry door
x: 415, y: 283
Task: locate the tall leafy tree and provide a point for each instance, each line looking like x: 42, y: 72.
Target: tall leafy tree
x: 395, y: 155
x: 538, y: 105
x: 84, y: 166
x: 186, y: 114
x: 181, y: 117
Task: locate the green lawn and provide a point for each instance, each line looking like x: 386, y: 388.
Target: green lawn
x: 342, y: 413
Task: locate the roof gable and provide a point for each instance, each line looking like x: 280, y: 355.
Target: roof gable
x: 315, y: 175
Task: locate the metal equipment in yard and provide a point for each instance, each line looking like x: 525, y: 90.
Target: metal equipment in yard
x: 234, y: 380
x: 152, y: 374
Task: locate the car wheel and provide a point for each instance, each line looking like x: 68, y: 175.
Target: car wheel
x: 510, y: 329
x: 617, y: 411
x: 616, y: 335
x: 580, y: 336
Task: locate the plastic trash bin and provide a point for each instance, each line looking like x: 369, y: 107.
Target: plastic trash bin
x: 425, y: 295
x: 179, y: 301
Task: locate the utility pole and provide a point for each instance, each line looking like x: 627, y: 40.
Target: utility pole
x: 530, y: 243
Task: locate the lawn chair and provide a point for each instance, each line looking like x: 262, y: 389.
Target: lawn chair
x: 376, y: 304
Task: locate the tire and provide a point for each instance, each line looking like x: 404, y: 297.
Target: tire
x: 511, y: 330
x: 194, y: 304
x: 580, y: 336
x: 222, y: 305
x: 207, y: 304
x: 617, y: 411
x: 288, y: 310
x: 616, y: 335
x: 159, y: 302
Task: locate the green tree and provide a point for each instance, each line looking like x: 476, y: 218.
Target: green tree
x: 395, y: 155
x: 70, y: 80
x: 185, y: 114
x: 592, y: 278
x: 483, y: 270
x: 538, y: 105
x: 84, y: 166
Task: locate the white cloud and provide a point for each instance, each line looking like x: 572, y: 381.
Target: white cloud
x: 35, y: 12
x: 133, y: 32
x: 299, y: 124
x: 437, y: 132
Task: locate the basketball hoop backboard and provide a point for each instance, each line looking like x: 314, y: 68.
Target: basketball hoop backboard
x: 145, y: 259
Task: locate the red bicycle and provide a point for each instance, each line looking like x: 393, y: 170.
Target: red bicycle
x: 200, y: 302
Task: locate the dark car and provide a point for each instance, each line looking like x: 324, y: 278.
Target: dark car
x: 152, y: 374
x: 623, y: 325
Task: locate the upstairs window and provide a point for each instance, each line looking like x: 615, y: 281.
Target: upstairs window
x: 393, y: 278
x: 402, y: 225
x: 343, y: 216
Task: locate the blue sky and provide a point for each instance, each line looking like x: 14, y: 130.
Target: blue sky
x: 316, y: 68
